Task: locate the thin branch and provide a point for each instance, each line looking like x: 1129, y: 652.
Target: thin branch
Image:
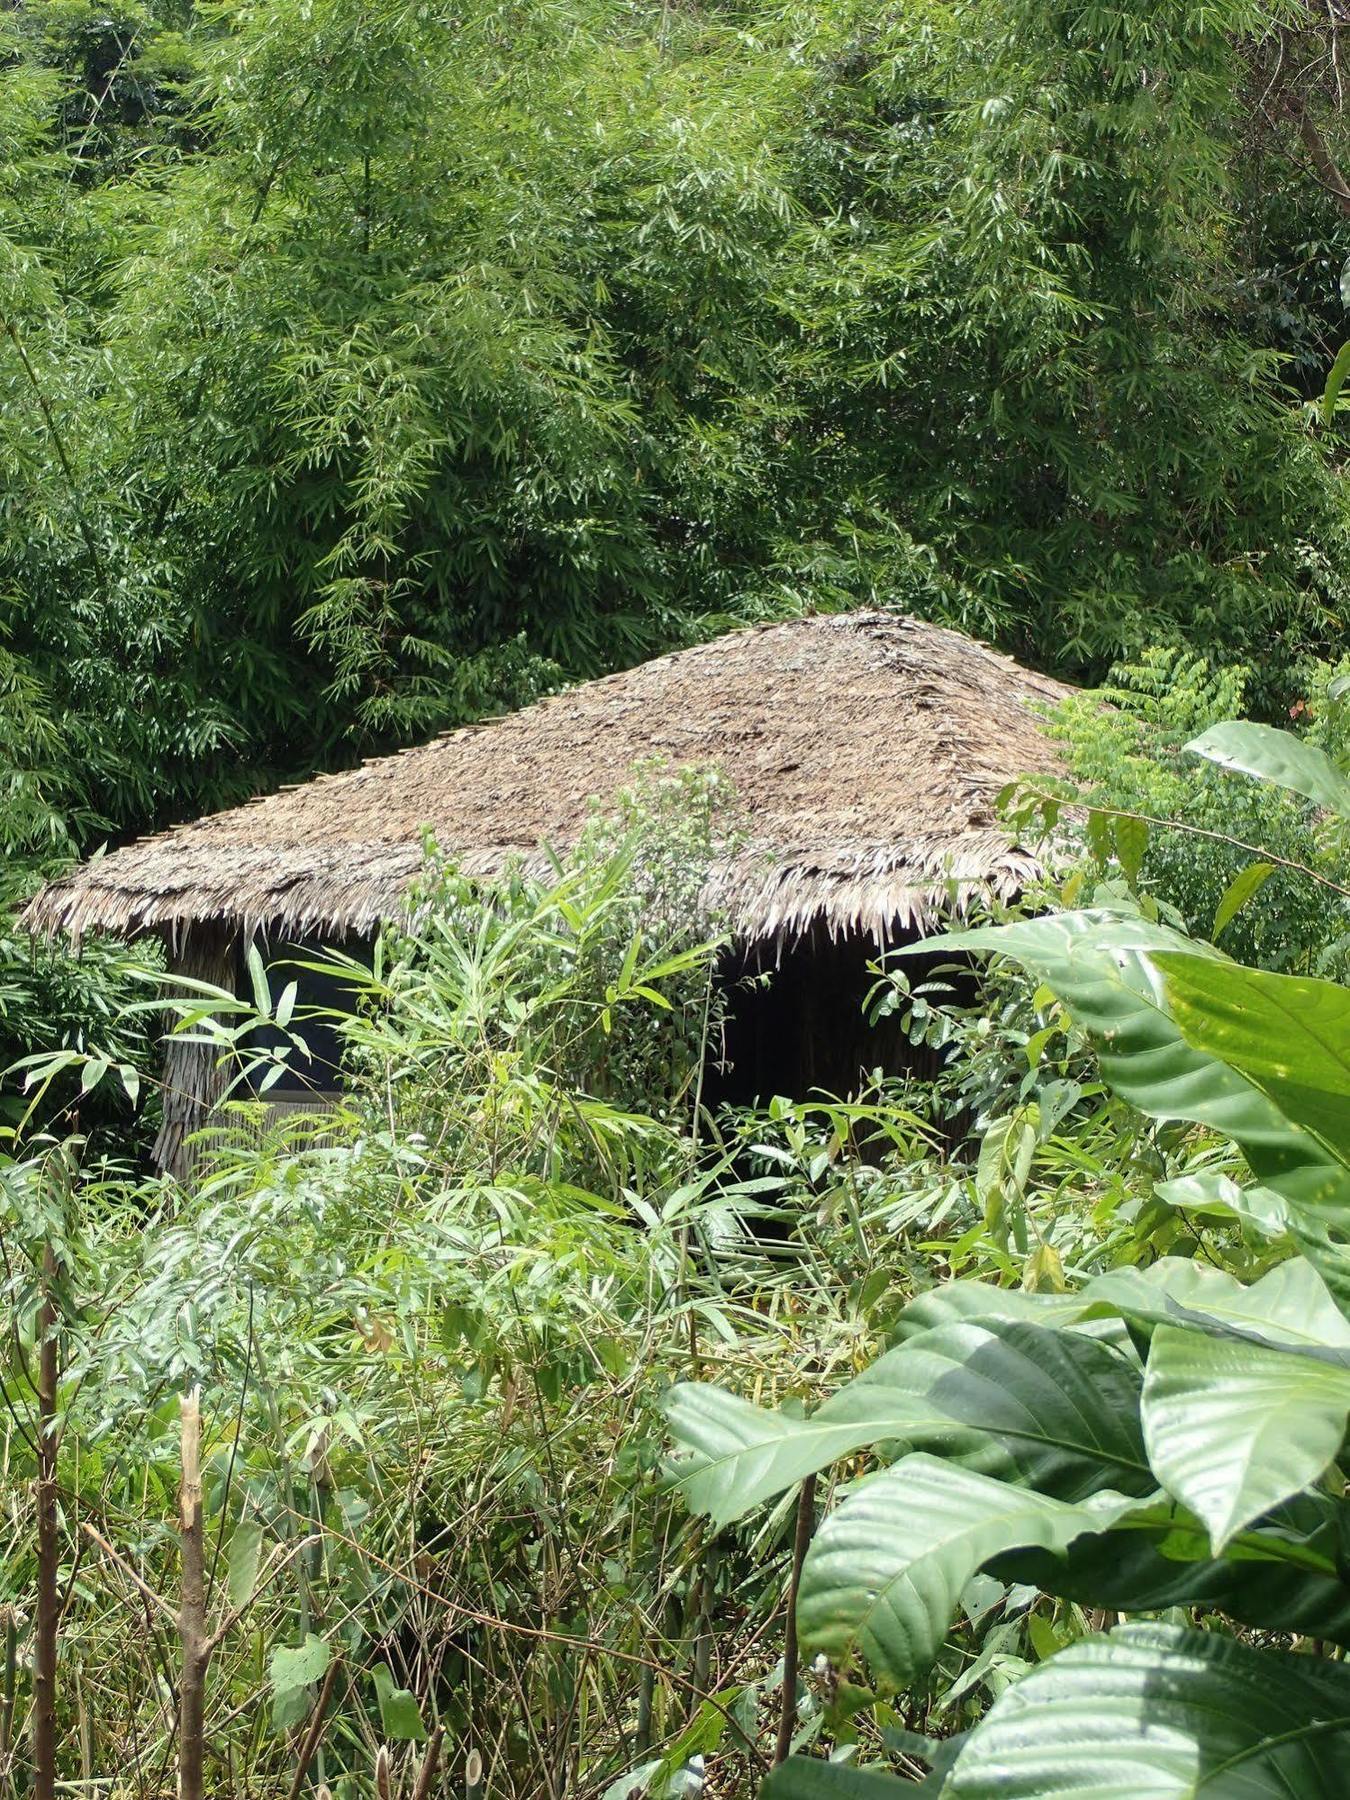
x: 315, y: 1731
x: 517, y: 1628
x: 1200, y: 831
x: 428, y: 1772
x: 1324, y: 163
x: 801, y: 1541
x: 281, y: 1556
x: 143, y: 1588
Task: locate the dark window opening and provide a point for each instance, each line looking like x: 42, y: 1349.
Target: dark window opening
x: 797, y: 1024
x: 320, y: 994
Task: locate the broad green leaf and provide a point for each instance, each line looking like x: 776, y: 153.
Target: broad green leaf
x: 739, y: 1454
x: 1288, y: 1305
x: 1289, y: 1035
x: 1336, y: 379
x: 1103, y: 966
x: 1054, y: 1410
x: 811, y: 1778
x: 981, y: 1300
x: 1155, y: 1712
x: 1234, y: 1427
x: 400, y: 1718
x: 241, y: 1562
x: 1266, y: 1579
x: 299, y: 1667
x: 1277, y: 757
x: 1244, y: 886
x: 1006, y: 1397
x: 293, y: 1673
x: 884, y: 1574
x: 1210, y: 1191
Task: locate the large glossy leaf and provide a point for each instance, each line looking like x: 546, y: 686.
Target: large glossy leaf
x: 1102, y: 965
x: 1057, y: 1411
x: 1234, y: 1427
x: 952, y: 1300
x: 1289, y: 1035
x: 1278, y: 757
x: 1159, y: 1713
x: 1290, y: 1304
x: 1207, y: 1190
x: 737, y: 1454
x: 884, y: 1574
x: 1052, y: 1410
x: 1281, y: 1576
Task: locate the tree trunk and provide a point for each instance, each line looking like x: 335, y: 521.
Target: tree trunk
x: 48, y: 1620
x: 192, y: 1634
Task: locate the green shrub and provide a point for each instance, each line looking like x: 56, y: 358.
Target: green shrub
x: 1130, y: 756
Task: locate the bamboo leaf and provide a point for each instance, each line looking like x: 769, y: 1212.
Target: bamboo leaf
x: 1244, y: 886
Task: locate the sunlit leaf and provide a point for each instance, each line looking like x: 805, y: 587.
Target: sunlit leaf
x: 1155, y: 1712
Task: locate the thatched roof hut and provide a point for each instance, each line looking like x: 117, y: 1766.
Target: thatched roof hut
x: 866, y: 751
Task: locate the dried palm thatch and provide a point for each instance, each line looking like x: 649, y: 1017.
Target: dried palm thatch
x: 865, y: 750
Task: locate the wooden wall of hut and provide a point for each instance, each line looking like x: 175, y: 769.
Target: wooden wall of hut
x: 797, y: 1023
x: 193, y: 1078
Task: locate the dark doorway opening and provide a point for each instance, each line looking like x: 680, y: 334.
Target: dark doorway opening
x: 796, y: 1021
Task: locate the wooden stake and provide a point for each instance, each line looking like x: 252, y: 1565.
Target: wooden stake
x: 192, y: 1633
x: 47, y: 1624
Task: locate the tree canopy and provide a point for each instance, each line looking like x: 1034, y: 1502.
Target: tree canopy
x: 368, y: 365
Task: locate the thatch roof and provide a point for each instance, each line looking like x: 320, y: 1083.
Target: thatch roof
x: 865, y: 750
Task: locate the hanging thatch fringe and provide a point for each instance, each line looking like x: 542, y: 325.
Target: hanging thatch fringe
x: 865, y: 751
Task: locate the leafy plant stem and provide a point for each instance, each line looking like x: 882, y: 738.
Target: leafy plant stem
x: 801, y: 1543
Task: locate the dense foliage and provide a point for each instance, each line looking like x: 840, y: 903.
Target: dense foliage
x: 1164, y: 1439
x: 1232, y: 857
x: 368, y: 364
x: 416, y: 1365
